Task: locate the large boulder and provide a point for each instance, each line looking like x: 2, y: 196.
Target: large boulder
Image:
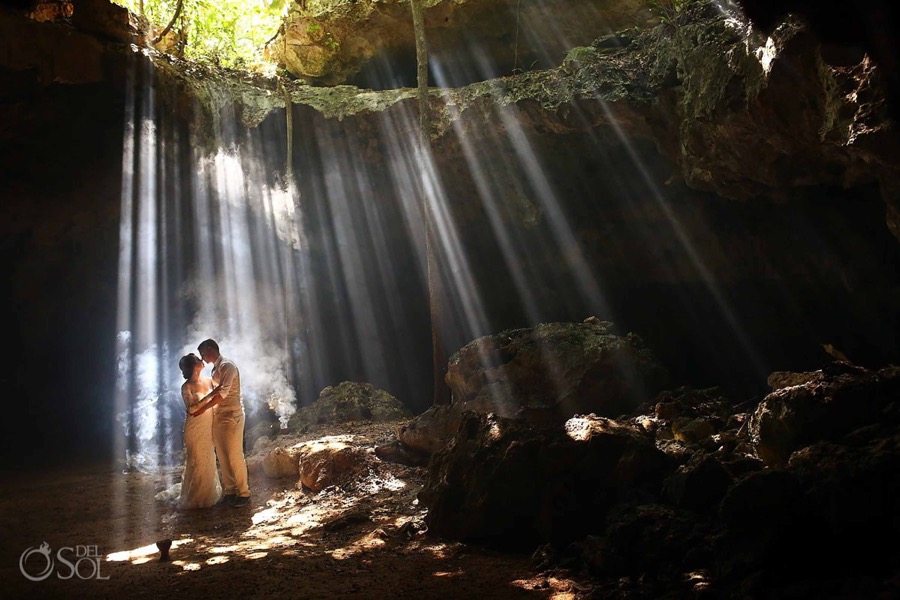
x: 831, y: 403
x: 281, y: 462
x: 330, y: 461
x: 502, y: 481
x: 555, y: 370
x: 651, y: 538
x: 543, y: 375
x: 349, y: 401
x: 826, y: 505
x: 431, y: 430
x: 852, y: 489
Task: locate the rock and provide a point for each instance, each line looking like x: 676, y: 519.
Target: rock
x: 329, y: 461
x: 836, y: 401
x: 431, y: 430
x: 502, y: 481
x: 783, y: 379
x: 349, y: 401
x: 824, y: 505
x: 690, y: 431
x: 281, y: 462
x: 555, y: 370
x: 255, y: 465
x: 106, y: 20
x: 398, y: 452
x: 543, y: 375
x: 266, y: 430
x: 851, y: 491
x: 698, y: 485
x: 262, y: 444
x: 667, y: 410
x: 765, y: 499
x: 346, y: 520
x: 653, y: 538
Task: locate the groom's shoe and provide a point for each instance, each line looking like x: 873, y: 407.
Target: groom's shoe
x: 226, y: 500
x: 241, y: 501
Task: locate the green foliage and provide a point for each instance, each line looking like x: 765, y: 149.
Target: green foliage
x: 230, y: 33
x: 324, y: 38
x: 667, y: 10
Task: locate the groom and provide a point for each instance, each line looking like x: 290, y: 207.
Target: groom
x: 228, y: 424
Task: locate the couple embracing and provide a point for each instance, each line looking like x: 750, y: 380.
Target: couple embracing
x: 214, y: 428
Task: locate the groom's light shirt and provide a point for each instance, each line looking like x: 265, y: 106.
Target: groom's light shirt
x: 228, y: 383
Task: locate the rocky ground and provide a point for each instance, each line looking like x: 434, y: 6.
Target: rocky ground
x: 364, y: 539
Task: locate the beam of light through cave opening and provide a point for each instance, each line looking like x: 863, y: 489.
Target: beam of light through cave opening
x: 488, y: 192
x: 244, y: 228
x: 204, y: 252
x: 417, y: 180
x: 495, y: 175
x: 369, y: 220
x: 706, y: 277
x: 137, y: 386
x: 551, y: 207
x: 352, y: 239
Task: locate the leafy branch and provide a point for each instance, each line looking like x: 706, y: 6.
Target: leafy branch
x: 230, y: 33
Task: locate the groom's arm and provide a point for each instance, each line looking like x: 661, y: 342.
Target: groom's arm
x: 208, y: 401
x: 220, y: 392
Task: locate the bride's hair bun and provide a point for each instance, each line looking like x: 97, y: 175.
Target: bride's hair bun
x: 186, y: 364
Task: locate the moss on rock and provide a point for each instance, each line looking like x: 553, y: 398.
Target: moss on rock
x: 349, y: 401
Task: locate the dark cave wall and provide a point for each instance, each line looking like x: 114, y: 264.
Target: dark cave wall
x: 60, y: 174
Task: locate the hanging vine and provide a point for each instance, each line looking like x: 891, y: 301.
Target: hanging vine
x: 435, y: 295
x: 289, y: 123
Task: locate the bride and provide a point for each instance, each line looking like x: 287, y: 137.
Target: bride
x: 200, y: 487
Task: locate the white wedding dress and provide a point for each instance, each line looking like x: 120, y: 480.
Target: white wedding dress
x: 200, y: 487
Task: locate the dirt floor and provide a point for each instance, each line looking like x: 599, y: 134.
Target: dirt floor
x: 365, y: 539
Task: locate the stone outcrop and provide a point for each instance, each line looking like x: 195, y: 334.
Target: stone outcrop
x: 622, y: 509
x: 543, y: 375
x: 328, y: 41
x: 830, y: 404
x: 806, y: 116
x: 500, y: 480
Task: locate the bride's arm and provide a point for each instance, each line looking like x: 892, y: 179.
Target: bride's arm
x: 187, y: 396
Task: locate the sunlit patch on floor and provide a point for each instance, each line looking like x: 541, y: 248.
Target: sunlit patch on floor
x: 699, y: 580
x: 557, y: 588
x: 142, y: 552
x: 448, y: 574
x: 370, y: 541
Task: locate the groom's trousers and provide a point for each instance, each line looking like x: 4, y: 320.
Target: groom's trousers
x: 228, y: 436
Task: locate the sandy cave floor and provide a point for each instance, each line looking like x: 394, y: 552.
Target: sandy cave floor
x: 363, y: 540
